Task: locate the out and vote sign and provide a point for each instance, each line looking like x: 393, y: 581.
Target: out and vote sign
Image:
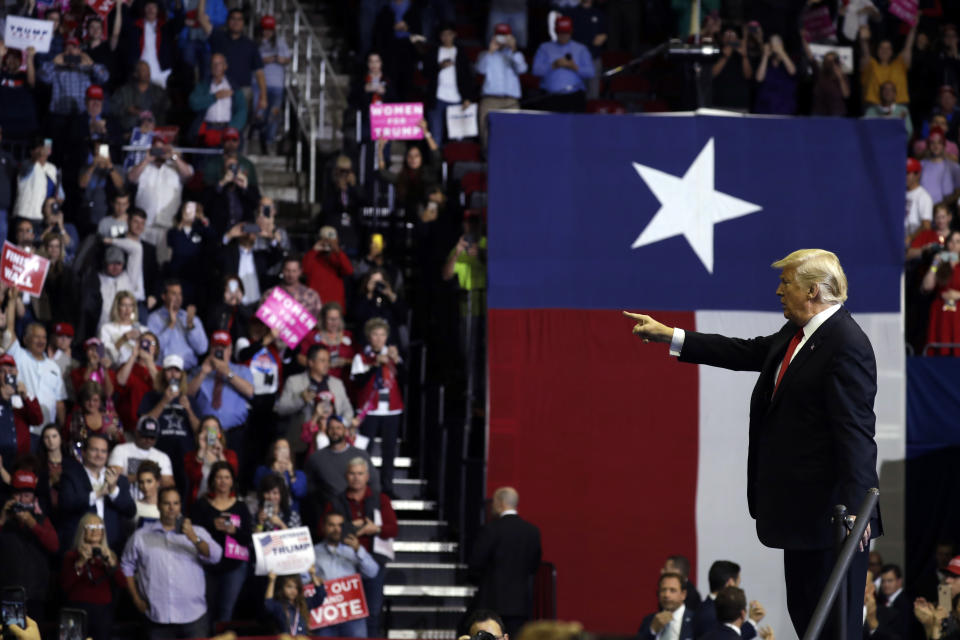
x: 344, y: 602
x: 22, y: 269
x: 291, y: 320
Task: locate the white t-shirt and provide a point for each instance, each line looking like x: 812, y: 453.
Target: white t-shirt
x: 919, y: 208
x: 129, y: 457
x: 158, y: 193
x: 220, y: 110
x: 447, y: 78
x: 149, y: 54
x: 43, y: 381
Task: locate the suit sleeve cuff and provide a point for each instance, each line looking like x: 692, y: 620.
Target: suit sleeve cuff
x: 676, y: 343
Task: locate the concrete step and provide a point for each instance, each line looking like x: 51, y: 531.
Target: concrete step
x: 404, y: 618
x: 281, y: 194
x: 273, y: 178
x: 421, y: 530
x: 422, y: 634
x: 432, y: 573
x: 399, y: 462
x: 427, y: 590
x: 409, y: 488
x: 412, y: 551
x: 265, y: 162
x: 414, y: 505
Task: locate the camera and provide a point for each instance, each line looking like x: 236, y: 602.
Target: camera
x: 156, y: 152
x: 380, y: 287
x: 97, y: 552
x: 10, y: 379
x: 54, y: 207
x: 71, y: 61
x: 234, y: 167
x: 145, y: 344
x: 175, y: 386
x: 218, y: 354
x: 483, y: 635
x: 18, y: 507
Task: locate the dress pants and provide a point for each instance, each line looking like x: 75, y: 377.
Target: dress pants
x: 807, y: 573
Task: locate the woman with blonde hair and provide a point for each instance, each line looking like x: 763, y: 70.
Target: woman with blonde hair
x: 124, y: 330
x: 86, y: 575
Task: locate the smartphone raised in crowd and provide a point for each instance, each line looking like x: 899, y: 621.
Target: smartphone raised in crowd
x: 13, y: 607
x: 73, y: 624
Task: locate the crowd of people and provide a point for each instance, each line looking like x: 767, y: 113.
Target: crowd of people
x: 142, y: 399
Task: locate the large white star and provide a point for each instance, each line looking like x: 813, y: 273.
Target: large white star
x: 689, y: 206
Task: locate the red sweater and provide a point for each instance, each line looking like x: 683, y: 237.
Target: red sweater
x: 29, y: 414
x: 325, y: 272
x: 92, y: 586
x: 129, y: 395
x: 360, y: 509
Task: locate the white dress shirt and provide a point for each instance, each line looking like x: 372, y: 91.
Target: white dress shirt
x: 220, y: 110
x: 247, y: 270
x: 97, y: 481
x: 672, y: 630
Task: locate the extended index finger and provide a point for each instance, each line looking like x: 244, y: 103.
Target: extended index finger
x: 635, y: 316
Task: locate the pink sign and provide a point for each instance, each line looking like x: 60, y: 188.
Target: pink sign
x: 233, y: 549
x: 396, y: 120
x: 291, y: 320
x: 818, y: 25
x: 906, y: 10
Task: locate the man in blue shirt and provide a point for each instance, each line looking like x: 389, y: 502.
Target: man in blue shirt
x: 564, y: 66
x: 501, y: 65
x: 223, y: 389
x: 178, y: 332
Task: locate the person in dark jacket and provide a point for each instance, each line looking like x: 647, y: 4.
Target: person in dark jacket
x: 165, y: 29
x: 504, y: 561
x: 449, y: 81
x: 397, y: 27
x: 27, y: 540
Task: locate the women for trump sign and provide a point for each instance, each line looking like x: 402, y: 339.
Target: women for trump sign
x: 396, y: 120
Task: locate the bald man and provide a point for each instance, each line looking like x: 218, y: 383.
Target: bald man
x: 505, y: 560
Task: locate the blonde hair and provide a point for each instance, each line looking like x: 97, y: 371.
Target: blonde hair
x: 115, y: 307
x: 818, y: 267
x: 88, y: 518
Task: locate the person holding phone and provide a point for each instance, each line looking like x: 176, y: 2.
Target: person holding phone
x: 122, y: 333
x: 211, y: 449
x: 135, y: 378
x: 172, y: 551
x: 943, y: 279
x: 274, y: 511
x: 227, y: 518
x: 564, y: 67
x: 191, y: 242
x: 93, y: 414
x: 126, y: 458
x: 279, y: 461
x: 26, y: 538
x: 89, y: 571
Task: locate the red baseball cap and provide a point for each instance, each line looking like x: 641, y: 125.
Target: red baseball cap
x: 564, y: 25
x: 63, y: 329
x: 91, y: 342
x: 914, y: 166
x: 231, y: 133
x: 94, y: 92
x: 502, y: 29
x: 24, y: 479
x: 954, y: 566
x: 7, y: 359
x: 74, y: 40
x: 936, y: 131
x: 268, y: 22
x: 221, y: 339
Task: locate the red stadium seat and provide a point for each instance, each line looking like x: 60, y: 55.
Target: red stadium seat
x: 529, y: 81
x: 466, y: 31
x: 611, y: 59
x: 629, y: 83
x: 473, y: 181
x: 605, y: 106
x: 473, y: 52
x: 455, y: 152
x: 655, y: 106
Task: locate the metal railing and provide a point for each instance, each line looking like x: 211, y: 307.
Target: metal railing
x: 309, y: 80
x: 848, y: 539
x: 939, y: 345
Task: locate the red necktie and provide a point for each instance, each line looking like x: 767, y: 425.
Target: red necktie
x: 218, y: 392
x: 786, y: 357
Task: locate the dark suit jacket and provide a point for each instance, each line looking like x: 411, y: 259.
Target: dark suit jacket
x: 705, y: 622
x: 466, y: 86
x: 686, y: 627
x: 895, y: 620
x: 723, y: 632
x: 151, y: 270
x: 505, y: 559
x: 263, y: 260
x: 812, y: 444
x: 75, y: 491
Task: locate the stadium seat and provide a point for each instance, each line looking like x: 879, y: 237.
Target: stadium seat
x: 605, y: 106
x: 454, y: 152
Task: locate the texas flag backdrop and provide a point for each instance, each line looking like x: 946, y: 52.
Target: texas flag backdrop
x: 621, y: 454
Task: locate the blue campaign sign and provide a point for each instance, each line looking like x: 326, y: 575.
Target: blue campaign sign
x: 687, y: 212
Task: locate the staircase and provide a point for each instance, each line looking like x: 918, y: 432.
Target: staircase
x: 426, y: 592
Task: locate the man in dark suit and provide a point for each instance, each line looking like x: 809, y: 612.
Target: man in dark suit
x: 894, y: 609
x: 731, y: 610
x: 681, y: 564
x: 92, y: 487
x: 811, y: 424
x: 724, y: 573
x: 504, y: 562
x: 239, y: 255
x: 674, y: 621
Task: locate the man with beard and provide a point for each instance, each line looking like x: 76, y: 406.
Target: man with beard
x: 327, y: 468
